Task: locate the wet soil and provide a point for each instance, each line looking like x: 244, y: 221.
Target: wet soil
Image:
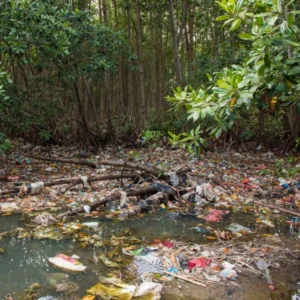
x: 251, y: 287
x: 248, y: 286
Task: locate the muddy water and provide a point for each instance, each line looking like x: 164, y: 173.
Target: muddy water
x: 25, y: 260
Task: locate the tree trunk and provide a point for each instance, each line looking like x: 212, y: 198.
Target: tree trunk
x: 139, y: 39
x: 175, y: 42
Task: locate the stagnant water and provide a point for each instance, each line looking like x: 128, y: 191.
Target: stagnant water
x: 25, y: 261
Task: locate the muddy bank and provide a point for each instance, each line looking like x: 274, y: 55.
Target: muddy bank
x: 251, y: 288
x: 248, y: 286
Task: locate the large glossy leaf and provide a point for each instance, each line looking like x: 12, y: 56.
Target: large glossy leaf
x: 235, y: 24
x: 222, y: 18
x: 245, y: 36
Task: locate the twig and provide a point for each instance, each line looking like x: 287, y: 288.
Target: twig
x: 278, y: 208
x: 185, y: 279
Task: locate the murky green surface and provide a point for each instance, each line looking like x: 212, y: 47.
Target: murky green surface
x: 25, y: 261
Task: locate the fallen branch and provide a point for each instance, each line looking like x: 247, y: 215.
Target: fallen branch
x: 145, y: 205
x: 295, y: 213
x: 113, y: 197
x: 115, y: 163
x: 152, y: 189
x: 124, y: 164
x: 77, y: 180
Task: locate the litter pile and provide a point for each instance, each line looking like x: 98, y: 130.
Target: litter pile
x: 54, y: 194
x: 214, y: 263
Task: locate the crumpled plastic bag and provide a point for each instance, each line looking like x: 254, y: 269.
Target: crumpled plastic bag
x: 205, y: 191
x: 200, y: 262
x: 237, y: 228
x: 215, y: 215
x: 67, y: 263
x: 149, y: 290
x: 228, y: 273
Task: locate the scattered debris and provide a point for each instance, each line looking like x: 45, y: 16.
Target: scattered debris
x: 67, y: 199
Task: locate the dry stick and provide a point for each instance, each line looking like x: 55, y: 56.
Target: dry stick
x: 185, y: 279
x: 76, y: 180
x: 278, y: 208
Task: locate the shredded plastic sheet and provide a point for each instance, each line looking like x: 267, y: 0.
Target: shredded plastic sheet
x: 35, y: 188
x: 146, y: 264
x: 67, y: 263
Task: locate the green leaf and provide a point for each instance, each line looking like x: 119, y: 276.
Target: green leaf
x: 223, y: 6
x: 222, y: 84
x: 210, y: 111
x: 261, y: 71
x: 235, y: 24
x: 245, y: 36
x: 222, y: 18
x: 218, y: 133
x: 203, y: 143
x: 239, y: 5
x: 272, y: 21
x: 245, y: 95
x: 291, y: 20
x: 209, y: 76
x: 267, y: 60
x: 294, y: 71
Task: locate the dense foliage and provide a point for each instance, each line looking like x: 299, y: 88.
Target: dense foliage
x: 92, y: 72
x: 47, y: 47
x: 268, y: 80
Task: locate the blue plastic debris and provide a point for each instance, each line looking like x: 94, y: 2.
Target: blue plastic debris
x: 173, y: 270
